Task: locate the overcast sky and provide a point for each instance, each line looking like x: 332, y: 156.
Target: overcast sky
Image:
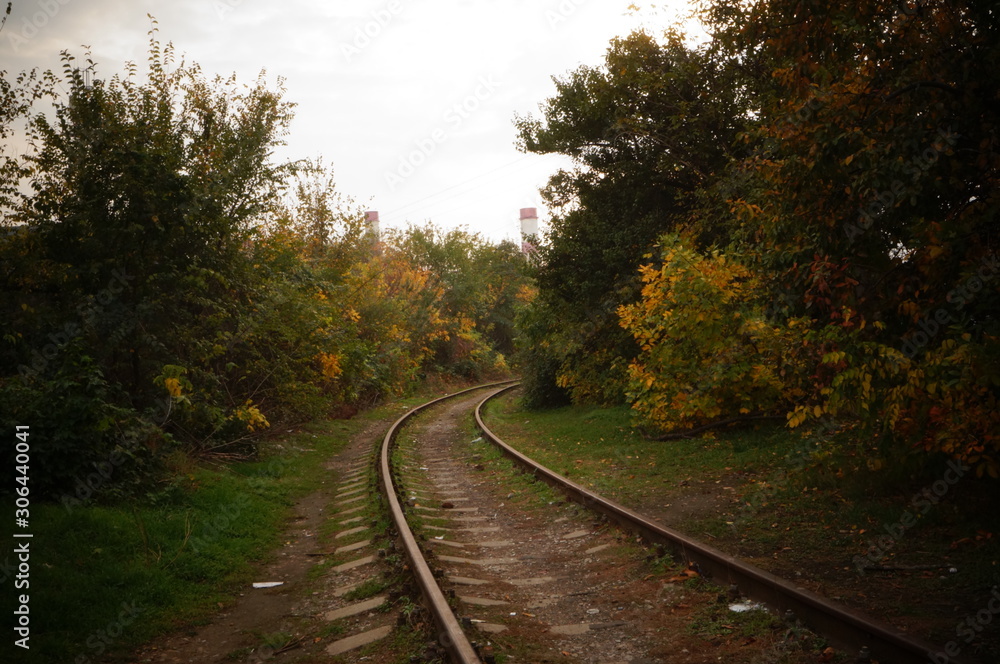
x: 412, y: 103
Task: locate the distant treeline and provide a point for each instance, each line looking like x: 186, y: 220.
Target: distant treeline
x: 169, y: 290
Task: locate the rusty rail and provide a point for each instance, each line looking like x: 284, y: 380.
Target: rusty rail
x: 450, y: 632
x: 842, y: 625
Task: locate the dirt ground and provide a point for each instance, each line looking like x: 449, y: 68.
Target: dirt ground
x: 235, y: 632
x: 547, y: 582
x: 536, y: 581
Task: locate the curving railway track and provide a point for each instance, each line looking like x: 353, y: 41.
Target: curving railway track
x: 561, y: 574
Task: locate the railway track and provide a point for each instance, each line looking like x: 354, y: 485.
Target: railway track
x: 555, y: 581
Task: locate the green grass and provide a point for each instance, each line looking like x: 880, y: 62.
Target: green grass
x: 107, y: 578
x: 797, y: 503
x: 368, y: 589
x: 717, y: 620
x: 600, y: 449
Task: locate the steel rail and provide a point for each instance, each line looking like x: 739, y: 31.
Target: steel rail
x: 450, y: 632
x: 840, y: 624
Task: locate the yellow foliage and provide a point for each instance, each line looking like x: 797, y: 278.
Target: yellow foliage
x: 500, y: 363
x: 173, y: 386
x: 706, y: 351
x: 527, y: 293
x: 173, y: 381
x: 330, y: 365
x: 251, y: 415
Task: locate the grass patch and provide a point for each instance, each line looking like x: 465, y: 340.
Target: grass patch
x: 599, y: 449
x: 331, y: 630
x: 718, y: 620
x: 806, y: 506
x: 107, y: 578
x: 368, y: 589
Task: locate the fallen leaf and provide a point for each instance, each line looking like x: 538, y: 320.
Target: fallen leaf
x: 684, y: 576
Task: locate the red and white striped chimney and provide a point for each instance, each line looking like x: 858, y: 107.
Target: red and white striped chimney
x: 529, y: 222
x: 373, y: 224
x: 529, y: 229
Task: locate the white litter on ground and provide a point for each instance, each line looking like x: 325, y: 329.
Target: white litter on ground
x: 743, y: 607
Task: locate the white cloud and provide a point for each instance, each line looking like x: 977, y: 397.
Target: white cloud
x: 372, y: 80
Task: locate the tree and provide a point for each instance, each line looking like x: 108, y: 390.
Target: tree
x: 162, y: 183
x: 332, y: 225
x: 708, y: 355
x: 871, y: 206
x: 131, y: 269
x: 479, y: 284
x: 650, y: 131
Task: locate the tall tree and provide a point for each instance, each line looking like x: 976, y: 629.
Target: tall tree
x: 649, y: 131
x: 131, y: 264
x: 873, y: 205
x: 480, y: 283
x: 157, y: 185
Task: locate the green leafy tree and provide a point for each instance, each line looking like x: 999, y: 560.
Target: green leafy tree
x: 870, y: 206
x: 131, y: 254
x: 480, y: 283
x: 708, y: 356
x: 650, y: 131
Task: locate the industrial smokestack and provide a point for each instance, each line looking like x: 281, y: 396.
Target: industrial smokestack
x: 529, y: 222
x: 373, y: 225
x: 529, y: 229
